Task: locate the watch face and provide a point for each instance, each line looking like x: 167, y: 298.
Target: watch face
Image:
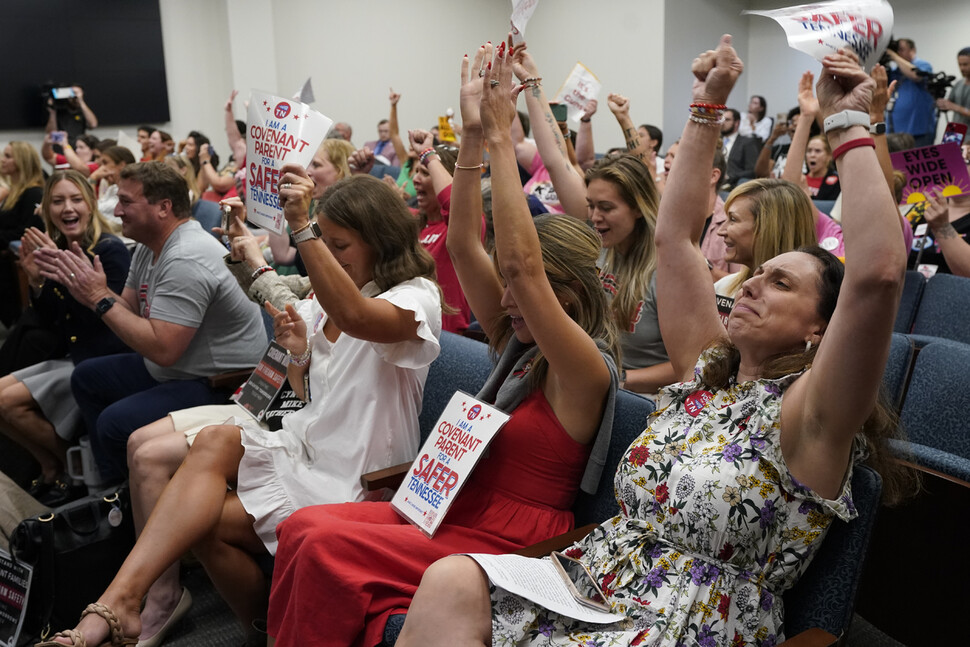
x: 878, y: 129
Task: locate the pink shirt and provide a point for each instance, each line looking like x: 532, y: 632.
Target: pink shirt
x: 829, y: 235
x: 540, y: 185
x: 713, y: 247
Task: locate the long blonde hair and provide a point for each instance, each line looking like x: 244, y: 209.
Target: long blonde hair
x: 784, y: 220
x: 634, y: 269
x: 29, y: 172
x: 97, y: 225
x: 183, y: 165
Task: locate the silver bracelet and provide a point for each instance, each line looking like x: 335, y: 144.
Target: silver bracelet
x: 303, y: 358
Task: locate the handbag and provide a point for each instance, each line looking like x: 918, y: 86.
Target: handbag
x: 75, y: 552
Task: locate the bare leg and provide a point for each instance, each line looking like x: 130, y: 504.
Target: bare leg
x: 155, y: 452
x: 227, y: 554
x: 24, y: 423
x: 187, y: 512
x: 453, y: 595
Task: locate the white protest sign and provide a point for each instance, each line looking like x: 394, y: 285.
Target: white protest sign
x: 521, y: 12
x: 279, y: 131
x: 446, y: 460
x: 580, y: 86
x: 819, y: 29
x: 127, y: 141
x: 305, y: 93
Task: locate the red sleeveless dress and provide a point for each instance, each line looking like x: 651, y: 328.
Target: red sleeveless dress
x: 342, y: 569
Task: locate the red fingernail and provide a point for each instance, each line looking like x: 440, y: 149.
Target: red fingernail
x: 489, y: 65
x: 511, y: 50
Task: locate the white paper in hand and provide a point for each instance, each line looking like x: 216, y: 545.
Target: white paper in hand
x: 279, y: 131
x: 539, y: 581
x: 521, y: 12
x: 819, y: 29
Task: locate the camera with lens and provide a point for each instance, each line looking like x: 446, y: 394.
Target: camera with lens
x: 936, y: 84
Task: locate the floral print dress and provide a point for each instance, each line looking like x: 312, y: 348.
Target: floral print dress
x: 712, y: 530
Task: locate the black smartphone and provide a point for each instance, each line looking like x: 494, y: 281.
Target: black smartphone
x: 63, y: 93
x: 559, y: 111
x: 580, y: 580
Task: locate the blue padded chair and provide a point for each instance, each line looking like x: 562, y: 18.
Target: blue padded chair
x: 912, y: 292
x: 825, y: 206
x: 463, y: 365
x: 944, y: 308
x: 824, y: 598
x: 901, y: 354
x: 934, y: 412
x: 208, y: 214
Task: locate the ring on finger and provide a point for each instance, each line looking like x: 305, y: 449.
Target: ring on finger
x: 72, y: 275
x: 493, y: 83
x: 285, y: 185
x: 481, y: 73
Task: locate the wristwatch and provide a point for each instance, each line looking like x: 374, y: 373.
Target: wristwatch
x: 878, y: 128
x: 308, y: 232
x: 104, y: 305
x: 844, y: 119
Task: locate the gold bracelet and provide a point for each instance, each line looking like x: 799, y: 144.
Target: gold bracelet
x: 477, y: 167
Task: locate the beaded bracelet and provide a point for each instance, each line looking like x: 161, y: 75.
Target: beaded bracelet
x: 532, y: 82
x: 426, y: 154
x: 259, y: 271
x: 852, y: 143
x: 708, y: 114
x: 302, y: 359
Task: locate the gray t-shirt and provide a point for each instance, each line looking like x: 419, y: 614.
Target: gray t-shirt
x: 640, y: 341
x: 191, y: 286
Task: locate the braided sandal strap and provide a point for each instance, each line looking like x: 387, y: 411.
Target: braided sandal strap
x: 116, y: 633
x: 76, y: 638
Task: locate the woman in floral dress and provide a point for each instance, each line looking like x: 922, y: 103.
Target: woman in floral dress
x: 726, y: 496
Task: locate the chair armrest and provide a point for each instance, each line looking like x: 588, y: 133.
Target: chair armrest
x: 389, y: 477
x: 543, y: 548
x: 229, y: 381
x: 811, y: 638
x: 927, y: 470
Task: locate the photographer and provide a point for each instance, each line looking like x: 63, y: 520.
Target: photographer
x: 70, y: 114
x: 959, y: 100
x: 914, y: 110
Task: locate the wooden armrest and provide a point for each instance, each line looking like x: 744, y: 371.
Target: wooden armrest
x: 229, y: 381
x: 390, y: 477
x: 543, y: 548
x: 927, y: 470
x: 811, y: 638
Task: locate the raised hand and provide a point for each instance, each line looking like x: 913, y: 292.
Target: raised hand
x: 32, y: 240
x: 590, y: 109
x: 289, y: 329
x: 716, y: 72
x: 843, y: 85
x: 394, y: 97
x: 523, y: 65
x: 807, y: 103
x: 420, y: 140
x: 470, y: 95
x: 232, y: 97
x: 361, y: 160
x: 497, y: 109
x: 884, y: 90
x: 619, y: 104
x: 937, y: 213
x: 295, y: 191
x: 205, y: 155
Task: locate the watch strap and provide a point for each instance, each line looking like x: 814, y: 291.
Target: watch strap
x: 845, y: 119
x: 104, y: 305
x: 308, y: 232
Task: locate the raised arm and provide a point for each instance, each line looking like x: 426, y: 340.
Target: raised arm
x: 635, y: 145
x: 762, y: 168
x: 569, y: 185
x: 395, y: 128
x: 799, y: 141
x: 825, y: 408
x: 376, y: 320
x: 578, y: 379
x: 89, y: 117
x: 237, y: 144
x: 474, y: 268
x: 684, y: 289
x: 422, y: 141
x: 585, y: 151
x: 955, y: 249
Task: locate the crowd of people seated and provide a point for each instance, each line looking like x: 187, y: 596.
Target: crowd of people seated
x: 706, y: 276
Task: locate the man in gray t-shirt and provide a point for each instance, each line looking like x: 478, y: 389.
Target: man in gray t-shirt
x: 181, y: 311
